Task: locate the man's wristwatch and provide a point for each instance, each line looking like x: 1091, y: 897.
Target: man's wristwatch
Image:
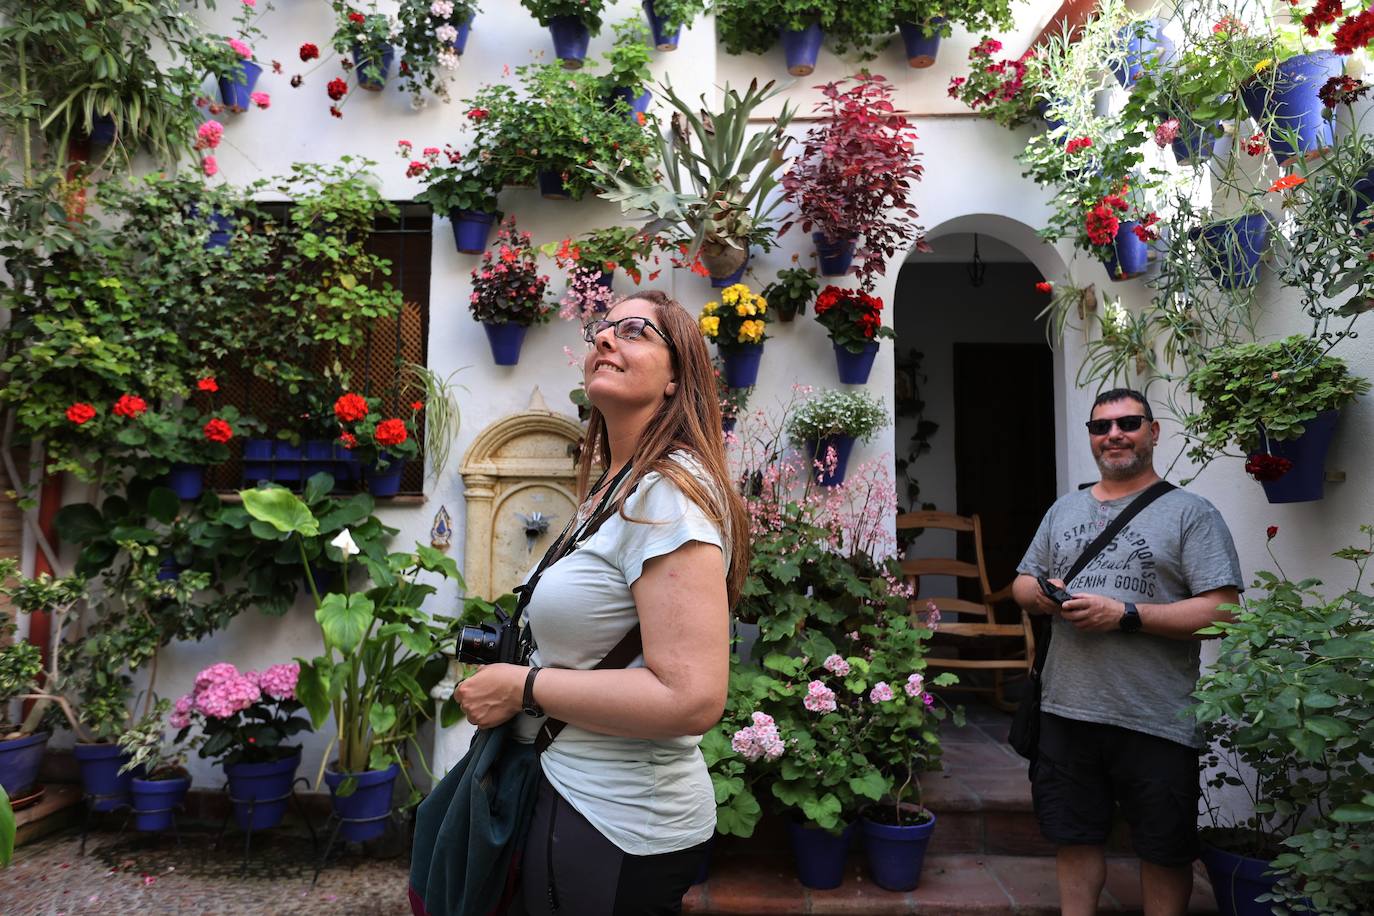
x: 530, y: 707
x: 1130, y: 621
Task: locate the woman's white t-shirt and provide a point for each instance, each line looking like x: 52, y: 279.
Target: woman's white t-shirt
x: 647, y: 796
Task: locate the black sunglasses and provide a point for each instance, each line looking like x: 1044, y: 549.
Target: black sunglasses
x: 1127, y: 424
x: 629, y: 328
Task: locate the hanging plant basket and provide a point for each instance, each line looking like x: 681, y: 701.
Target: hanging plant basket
x: 742, y: 364
x: 384, y: 482
x: 373, y: 66
x: 854, y: 368
x: 505, y: 340
x: 1142, y: 42
x: 1305, y: 479
x: 801, y: 48
x: 460, y: 44
x: 1236, y: 246
x: 1285, y: 102
x: 639, y: 104
x: 664, y: 40
x: 834, y: 257
x: 921, y: 49
x: 819, y: 449
x: 1195, y: 142
x: 187, y: 481
x: 552, y: 187
x: 725, y: 263
x: 235, y: 90
x: 570, y: 40
x: 1129, y: 256
x: 471, y: 230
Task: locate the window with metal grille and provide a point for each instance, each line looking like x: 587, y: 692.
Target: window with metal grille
x: 375, y: 366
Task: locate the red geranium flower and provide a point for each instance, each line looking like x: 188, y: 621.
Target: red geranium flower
x: 207, y: 384
x: 391, y: 432
x: 417, y: 405
x: 80, y: 412
x: 1265, y: 467
x: 1286, y: 182
x: 1044, y: 286
x: 1076, y: 144
x: 1271, y: 532
x: 130, y: 405
x: 357, y: 17
x: 477, y: 114
x: 337, y: 89
x: 348, y: 440
x: 350, y: 408
x: 309, y: 52
x: 216, y: 430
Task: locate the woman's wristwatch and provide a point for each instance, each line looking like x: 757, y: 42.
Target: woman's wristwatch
x: 530, y: 707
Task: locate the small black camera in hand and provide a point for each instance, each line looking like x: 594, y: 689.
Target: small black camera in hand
x: 1053, y: 592
x: 499, y: 640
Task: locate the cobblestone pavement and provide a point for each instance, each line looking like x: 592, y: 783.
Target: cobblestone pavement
x: 132, y: 874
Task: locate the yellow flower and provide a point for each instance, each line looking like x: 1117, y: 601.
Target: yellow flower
x: 762, y: 303
x: 710, y: 308
x: 730, y: 295
x: 751, y: 332
x: 1268, y: 61
x: 742, y: 309
x: 710, y: 325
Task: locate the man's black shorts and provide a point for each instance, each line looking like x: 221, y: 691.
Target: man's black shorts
x: 1085, y: 769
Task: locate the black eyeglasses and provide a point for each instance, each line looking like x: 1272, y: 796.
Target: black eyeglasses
x: 1127, y: 424
x: 630, y: 327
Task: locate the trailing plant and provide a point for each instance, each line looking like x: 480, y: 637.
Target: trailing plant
x: 456, y: 182
x: 1287, y: 709
x: 751, y: 26
x: 605, y: 250
x: 792, y: 291
x: 678, y: 13
x: 739, y: 318
x: 369, y: 34
x: 851, y: 317
x: 627, y: 60
x: 1250, y: 393
x: 428, y: 33
x: 720, y: 177
x: 854, y: 177
x: 508, y: 289
x: 937, y: 17
x: 836, y: 412
x: 588, y: 12
x: 443, y: 416
x: 1005, y: 90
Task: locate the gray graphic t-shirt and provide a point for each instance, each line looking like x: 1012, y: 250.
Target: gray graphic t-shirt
x: 1176, y: 548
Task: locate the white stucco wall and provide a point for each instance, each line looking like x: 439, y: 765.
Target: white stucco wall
x: 972, y: 183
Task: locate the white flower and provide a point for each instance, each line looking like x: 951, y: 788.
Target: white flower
x: 447, y: 59
x: 441, y: 9
x: 345, y: 544
x: 446, y: 34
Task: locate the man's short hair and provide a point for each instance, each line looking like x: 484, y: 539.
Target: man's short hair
x: 1122, y: 394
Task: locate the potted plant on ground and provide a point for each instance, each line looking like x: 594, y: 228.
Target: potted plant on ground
x: 725, y: 203
x: 1278, y: 403
x: 853, y: 179
x: 367, y: 37
x: 571, y: 23
x: 160, y: 780
x: 627, y: 69
x: 667, y: 17
x: 792, y: 292
x: 381, y: 443
x: 736, y: 326
x: 381, y: 656
x: 853, y: 319
x: 246, y: 719
x: 1285, y: 709
x: 754, y: 26
x: 825, y: 426
x: 433, y: 36
x: 459, y: 185
x: 508, y: 293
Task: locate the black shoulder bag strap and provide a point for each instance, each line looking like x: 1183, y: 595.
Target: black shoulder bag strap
x: 1153, y: 492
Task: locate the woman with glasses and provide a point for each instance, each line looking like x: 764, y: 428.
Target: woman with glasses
x: 626, y: 807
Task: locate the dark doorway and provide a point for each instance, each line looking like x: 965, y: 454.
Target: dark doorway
x: 1003, y: 446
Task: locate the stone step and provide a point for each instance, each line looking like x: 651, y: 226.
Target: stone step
x: 950, y: 884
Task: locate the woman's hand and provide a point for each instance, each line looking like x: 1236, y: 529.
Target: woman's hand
x: 493, y: 695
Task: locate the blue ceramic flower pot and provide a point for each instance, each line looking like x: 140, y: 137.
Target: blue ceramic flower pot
x: 505, y: 340
x: 727, y: 424
x: 102, y: 130
x: 105, y: 787
x: 921, y: 49
x: 1195, y: 142
x: 320, y: 458
x: 570, y: 40
x: 552, y: 186
x: 819, y: 854
x: 460, y: 44
x: 365, y: 811
x: 834, y: 256
x: 235, y: 91
x: 1130, y: 256
x: 819, y: 450
x: 1042, y: 107
x: 639, y: 104
x: 187, y: 481
x: 384, y: 483
x: 260, y: 792
x: 742, y: 364
x: 1141, y: 43
x: 287, y: 466
x: 20, y: 759
x: 373, y: 65
x: 155, y: 802
x: 1305, y: 481
x: 1237, y: 881
x: 854, y: 368
x: 1235, y: 247
x: 169, y: 570
x: 664, y: 39
x: 1362, y: 205
x: 257, y: 461
x: 1284, y: 101
x: 896, y: 854
x: 801, y: 47
x: 471, y: 230
x: 606, y: 280
x: 221, y: 229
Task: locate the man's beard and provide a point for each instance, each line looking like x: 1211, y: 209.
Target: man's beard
x: 1141, y: 458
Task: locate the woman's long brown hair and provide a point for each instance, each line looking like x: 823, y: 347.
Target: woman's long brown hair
x: 689, y: 421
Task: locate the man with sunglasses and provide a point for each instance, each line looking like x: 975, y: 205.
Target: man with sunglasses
x: 1123, y: 661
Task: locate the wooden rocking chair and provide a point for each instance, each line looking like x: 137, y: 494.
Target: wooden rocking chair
x: 1013, y: 645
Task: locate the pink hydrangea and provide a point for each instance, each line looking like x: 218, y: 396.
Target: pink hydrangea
x: 241, y: 49
x: 261, y: 99
x: 181, y: 713
x: 220, y: 671
x: 210, y: 133
x: 836, y: 666
x: 279, y: 681
x: 914, y: 684
x: 880, y: 693
x: 819, y: 698
x: 758, y: 741
x: 227, y: 697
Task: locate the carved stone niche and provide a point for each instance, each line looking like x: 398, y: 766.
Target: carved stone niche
x: 519, y: 465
